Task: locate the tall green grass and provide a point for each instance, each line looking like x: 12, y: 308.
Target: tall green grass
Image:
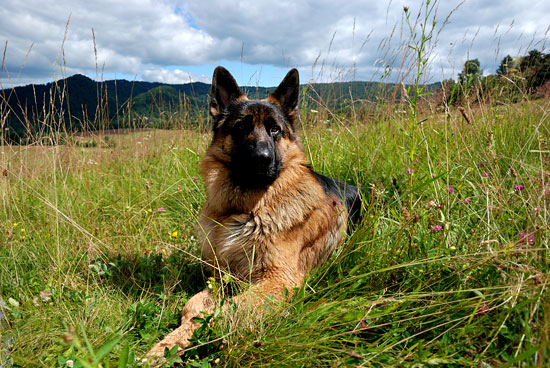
x: 101, y: 239
x: 448, y: 268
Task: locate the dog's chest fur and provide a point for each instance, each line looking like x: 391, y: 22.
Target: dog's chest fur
x: 288, y: 227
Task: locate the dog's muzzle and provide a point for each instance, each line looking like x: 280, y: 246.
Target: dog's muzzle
x: 262, y: 157
x: 256, y: 167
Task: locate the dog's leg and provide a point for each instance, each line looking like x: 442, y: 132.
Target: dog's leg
x: 201, y: 302
x: 270, y: 287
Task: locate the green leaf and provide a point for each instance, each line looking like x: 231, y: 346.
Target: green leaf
x: 106, y: 348
x: 84, y: 362
x: 88, y: 344
x: 123, y: 359
x: 532, y: 350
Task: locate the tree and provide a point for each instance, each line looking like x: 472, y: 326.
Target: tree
x: 532, y: 60
x: 535, y: 68
x: 471, y: 71
x: 505, y: 65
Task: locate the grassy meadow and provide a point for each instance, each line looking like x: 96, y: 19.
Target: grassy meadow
x: 449, y: 267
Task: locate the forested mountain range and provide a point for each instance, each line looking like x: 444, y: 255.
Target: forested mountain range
x: 81, y: 103
x: 78, y: 102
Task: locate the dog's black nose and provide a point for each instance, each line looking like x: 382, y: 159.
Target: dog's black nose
x: 262, y: 155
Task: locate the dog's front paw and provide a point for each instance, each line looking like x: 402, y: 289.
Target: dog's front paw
x: 162, y: 353
x: 168, y: 349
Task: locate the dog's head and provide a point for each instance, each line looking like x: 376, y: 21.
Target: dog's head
x: 252, y: 133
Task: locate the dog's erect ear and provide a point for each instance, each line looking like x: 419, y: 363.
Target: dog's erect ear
x: 224, y: 90
x: 286, y: 94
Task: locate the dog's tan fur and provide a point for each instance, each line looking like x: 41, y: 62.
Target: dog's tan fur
x: 271, y: 237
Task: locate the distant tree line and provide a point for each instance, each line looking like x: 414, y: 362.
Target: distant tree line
x: 515, y: 78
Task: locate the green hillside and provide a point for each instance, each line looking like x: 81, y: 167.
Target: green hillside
x: 79, y: 103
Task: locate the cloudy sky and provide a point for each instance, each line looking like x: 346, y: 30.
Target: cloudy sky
x: 176, y: 41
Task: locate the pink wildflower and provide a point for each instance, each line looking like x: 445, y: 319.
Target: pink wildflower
x: 160, y: 209
x: 409, y: 171
x: 467, y: 201
x: 483, y: 308
x: 519, y: 187
x: 436, y: 228
x: 527, y: 238
x: 450, y: 189
x: 485, y: 175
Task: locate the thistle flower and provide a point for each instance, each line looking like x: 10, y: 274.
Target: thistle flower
x: 436, y: 228
x: 526, y: 238
x: 519, y: 187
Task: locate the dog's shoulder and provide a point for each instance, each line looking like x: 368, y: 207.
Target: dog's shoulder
x: 350, y: 195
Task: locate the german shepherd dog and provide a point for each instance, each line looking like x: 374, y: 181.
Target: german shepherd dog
x: 269, y: 219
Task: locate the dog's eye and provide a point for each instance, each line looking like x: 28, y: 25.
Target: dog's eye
x: 275, y: 129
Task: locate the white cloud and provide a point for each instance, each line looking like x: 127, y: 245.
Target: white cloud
x: 175, y: 76
x: 326, y: 39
